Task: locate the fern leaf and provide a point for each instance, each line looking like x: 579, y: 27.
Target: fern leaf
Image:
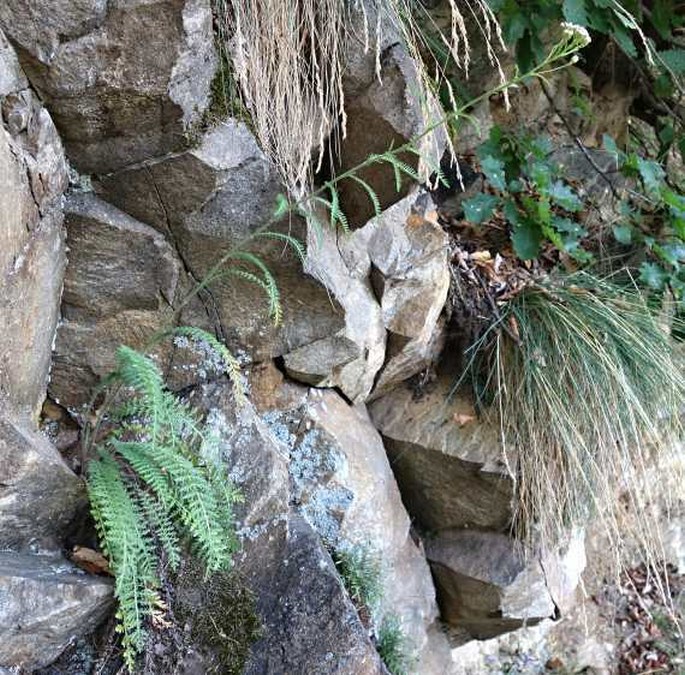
x: 271, y: 286
x: 162, y: 523
x: 123, y: 533
x: 373, y: 197
x: 288, y: 239
x: 231, y: 364
x: 337, y: 214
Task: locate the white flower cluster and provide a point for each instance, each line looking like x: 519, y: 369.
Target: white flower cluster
x: 578, y: 34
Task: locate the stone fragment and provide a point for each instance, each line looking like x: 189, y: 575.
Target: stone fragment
x: 45, y: 604
x: 39, y: 495
x: 33, y: 176
x: 448, y: 464
x: 125, y: 81
x: 409, y: 253
x: 320, y: 362
x: 341, y: 263
x: 121, y: 281
x: 485, y: 584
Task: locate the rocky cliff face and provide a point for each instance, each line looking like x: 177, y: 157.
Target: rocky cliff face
x: 339, y: 446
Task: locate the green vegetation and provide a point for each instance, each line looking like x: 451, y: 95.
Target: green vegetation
x: 360, y: 569
x: 648, y: 34
x: 585, y: 384
x: 153, y: 482
x: 361, y: 572
x: 528, y: 191
x: 392, y: 647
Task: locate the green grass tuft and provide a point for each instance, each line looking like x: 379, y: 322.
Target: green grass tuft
x: 360, y: 569
x: 391, y: 644
x: 588, y: 390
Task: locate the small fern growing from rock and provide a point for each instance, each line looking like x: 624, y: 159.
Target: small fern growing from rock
x: 153, y: 484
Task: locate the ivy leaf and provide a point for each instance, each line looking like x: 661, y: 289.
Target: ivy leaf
x: 526, y: 238
x: 564, y: 196
x: 651, y: 173
x: 674, y: 59
x: 494, y: 171
x: 575, y: 12
x: 623, y: 234
x: 653, y: 275
x: 610, y: 145
x: 480, y: 207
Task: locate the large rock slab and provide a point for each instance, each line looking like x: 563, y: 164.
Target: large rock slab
x: 33, y: 176
x: 448, y: 463
x: 308, y: 622
x: 342, y: 484
x: 125, y: 80
x: 210, y: 201
x: 310, y: 625
x: 314, y: 474
x: 39, y: 494
x: 45, y: 604
x: 121, y: 281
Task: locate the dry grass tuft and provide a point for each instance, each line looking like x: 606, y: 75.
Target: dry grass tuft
x: 289, y: 60
x: 588, y: 400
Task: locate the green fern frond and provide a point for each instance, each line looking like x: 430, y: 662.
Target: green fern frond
x: 288, y: 239
x: 163, y: 526
x: 125, y: 539
x: 231, y: 364
x: 373, y: 197
x: 270, y: 285
x: 150, y: 485
x: 337, y: 214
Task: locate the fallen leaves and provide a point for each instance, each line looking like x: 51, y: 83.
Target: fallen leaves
x: 90, y: 560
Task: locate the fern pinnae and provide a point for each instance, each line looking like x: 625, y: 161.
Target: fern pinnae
x: 373, y: 196
x: 337, y: 214
x: 157, y: 513
x: 272, y: 293
x: 268, y: 278
x: 288, y: 239
x: 231, y: 364
x: 124, y: 534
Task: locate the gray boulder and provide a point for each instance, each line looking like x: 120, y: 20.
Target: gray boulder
x: 45, y: 604
x: 316, y: 479
x: 33, y: 176
x: 39, y: 494
x: 119, y: 288
x: 125, y: 80
x: 308, y: 622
